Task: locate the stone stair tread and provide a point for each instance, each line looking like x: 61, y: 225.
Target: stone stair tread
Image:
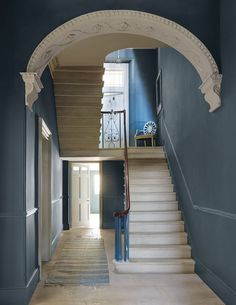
x: 145, y: 246
x: 156, y: 212
x: 152, y: 192
x: 159, y: 234
x: 154, y: 202
x: 159, y: 221
x: 152, y: 261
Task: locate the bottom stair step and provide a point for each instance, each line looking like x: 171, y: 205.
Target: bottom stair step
x: 156, y: 266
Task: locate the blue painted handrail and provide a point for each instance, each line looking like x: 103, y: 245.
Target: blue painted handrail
x: 122, y: 217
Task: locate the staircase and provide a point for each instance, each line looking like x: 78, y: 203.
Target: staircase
x: 158, y: 243
x: 78, y: 92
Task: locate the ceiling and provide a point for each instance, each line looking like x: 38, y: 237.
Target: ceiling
x: 92, y: 51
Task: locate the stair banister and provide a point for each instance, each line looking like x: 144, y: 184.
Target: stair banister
x: 123, y: 216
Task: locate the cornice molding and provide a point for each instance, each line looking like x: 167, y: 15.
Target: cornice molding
x: 33, y: 86
x: 137, y: 23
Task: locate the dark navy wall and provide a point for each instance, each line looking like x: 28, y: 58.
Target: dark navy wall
x: 35, y: 22
x: 142, y: 80
x: 45, y: 108
x: 112, y: 191
x: 201, y: 154
x: 19, y: 215
x: 227, y: 124
x: 23, y: 26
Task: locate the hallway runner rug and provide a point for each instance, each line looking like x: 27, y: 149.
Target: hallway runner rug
x: 80, y: 261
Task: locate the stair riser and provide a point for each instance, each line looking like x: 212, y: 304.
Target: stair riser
x: 152, y: 196
x: 166, y: 181
x: 156, y: 155
x: 157, y: 227
x: 140, y: 150
x: 157, y: 268
x: 148, y: 175
x: 151, y: 167
x: 153, y: 206
x: 157, y: 240
x: 139, y: 253
x: 153, y: 216
x: 151, y: 188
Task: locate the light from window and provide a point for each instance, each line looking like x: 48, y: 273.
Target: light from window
x: 113, y: 78
x: 96, y: 184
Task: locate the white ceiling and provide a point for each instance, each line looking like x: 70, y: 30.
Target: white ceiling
x: 92, y: 51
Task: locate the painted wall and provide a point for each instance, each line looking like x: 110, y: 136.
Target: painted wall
x: 112, y: 191
x: 142, y: 78
x: 19, y: 222
x: 201, y: 154
x: 23, y: 26
x: 45, y: 108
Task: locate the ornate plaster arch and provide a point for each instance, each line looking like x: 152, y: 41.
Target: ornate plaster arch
x: 131, y: 22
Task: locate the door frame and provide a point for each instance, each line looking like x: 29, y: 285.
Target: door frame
x: 70, y: 163
x: 43, y: 132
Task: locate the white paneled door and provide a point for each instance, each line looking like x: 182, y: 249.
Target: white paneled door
x: 80, y: 195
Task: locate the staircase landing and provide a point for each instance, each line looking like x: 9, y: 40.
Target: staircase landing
x: 114, y: 154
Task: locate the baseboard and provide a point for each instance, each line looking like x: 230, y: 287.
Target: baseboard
x: 32, y: 284
x: 55, y: 241
x: 20, y: 295
x: 226, y: 293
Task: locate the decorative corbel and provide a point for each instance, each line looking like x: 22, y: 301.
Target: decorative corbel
x: 211, y: 89
x: 33, y: 86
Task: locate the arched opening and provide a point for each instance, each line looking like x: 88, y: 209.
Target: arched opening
x: 129, y: 22
x: 100, y: 24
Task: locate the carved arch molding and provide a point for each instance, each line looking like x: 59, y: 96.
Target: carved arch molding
x: 130, y: 22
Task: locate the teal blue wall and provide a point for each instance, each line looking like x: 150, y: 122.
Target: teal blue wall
x: 143, y: 71
x: 112, y: 191
x: 201, y: 154
x: 19, y: 222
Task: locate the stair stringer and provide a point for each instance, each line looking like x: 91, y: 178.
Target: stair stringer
x: 158, y: 241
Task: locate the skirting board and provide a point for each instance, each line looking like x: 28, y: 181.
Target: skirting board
x: 226, y: 293
x: 20, y: 295
x: 55, y: 241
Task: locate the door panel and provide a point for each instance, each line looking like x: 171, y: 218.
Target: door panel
x: 80, y: 195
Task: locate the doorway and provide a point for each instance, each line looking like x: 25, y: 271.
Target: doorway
x: 85, y: 195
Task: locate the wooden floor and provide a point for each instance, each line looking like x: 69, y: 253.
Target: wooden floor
x: 126, y: 289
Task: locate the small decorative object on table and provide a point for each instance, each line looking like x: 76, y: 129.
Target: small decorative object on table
x: 148, y: 132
